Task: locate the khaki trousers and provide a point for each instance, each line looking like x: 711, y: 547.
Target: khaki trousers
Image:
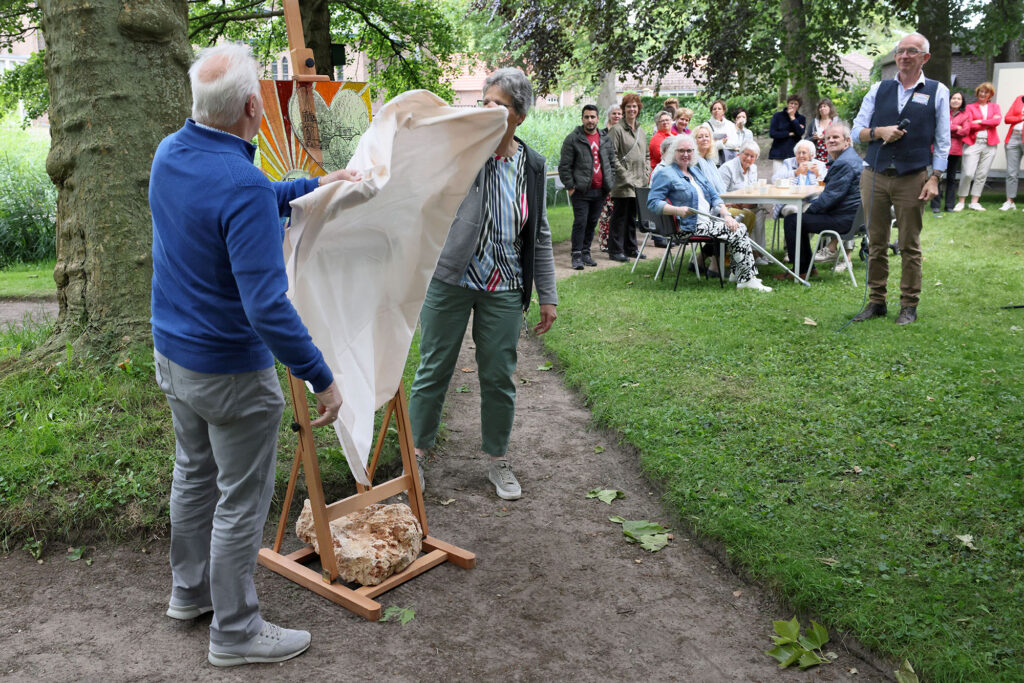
x: 878, y: 192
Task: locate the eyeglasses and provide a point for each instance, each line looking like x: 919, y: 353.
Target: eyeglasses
x: 909, y: 51
x: 488, y: 102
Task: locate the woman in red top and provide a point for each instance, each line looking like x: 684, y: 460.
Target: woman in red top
x: 1014, y: 150
x: 664, y: 123
x: 957, y: 119
x: 979, y: 138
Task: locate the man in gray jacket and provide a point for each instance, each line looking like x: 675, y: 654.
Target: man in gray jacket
x: 585, y: 168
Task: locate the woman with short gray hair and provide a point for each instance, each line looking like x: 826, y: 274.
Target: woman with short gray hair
x: 498, y: 249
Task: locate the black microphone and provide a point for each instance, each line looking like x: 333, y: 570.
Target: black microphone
x: 902, y: 125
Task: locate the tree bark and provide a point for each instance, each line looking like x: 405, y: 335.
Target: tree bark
x: 933, y: 23
x: 316, y: 29
x: 802, y: 69
x: 606, y: 96
x: 117, y: 71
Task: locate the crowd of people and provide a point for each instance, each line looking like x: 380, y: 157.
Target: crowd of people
x: 818, y: 151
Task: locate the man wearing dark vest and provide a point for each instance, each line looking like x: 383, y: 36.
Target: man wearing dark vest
x: 905, y: 120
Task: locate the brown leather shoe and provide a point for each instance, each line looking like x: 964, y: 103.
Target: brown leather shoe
x: 908, y: 314
x: 871, y: 311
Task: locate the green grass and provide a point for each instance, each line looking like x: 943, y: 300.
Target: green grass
x: 88, y: 447
x: 28, y: 281
x: 560, y: 221
x: 837, y: 465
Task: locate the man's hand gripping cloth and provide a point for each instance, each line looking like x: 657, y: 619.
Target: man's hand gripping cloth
x: 360, y: 255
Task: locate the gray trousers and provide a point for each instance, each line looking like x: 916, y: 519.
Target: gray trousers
x: 225, y: 427
x: 1014, y: 149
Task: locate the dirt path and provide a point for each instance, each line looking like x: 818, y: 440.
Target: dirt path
x: 15, y: 311
x: 557, y: 592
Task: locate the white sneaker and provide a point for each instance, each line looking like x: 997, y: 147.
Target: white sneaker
x: 754, y: 284
x: 762, y: 261
x: 272, y: 644
x: 959, y: 206
x: 1008, y: 206
x: 187, y: 612
x: 840, y: 267
x: 732, y: 276
x: 975, y: 206
x: 505, y: 483
x: 824, y: 254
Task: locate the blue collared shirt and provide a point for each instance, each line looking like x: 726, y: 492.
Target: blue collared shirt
x: 940, y: 145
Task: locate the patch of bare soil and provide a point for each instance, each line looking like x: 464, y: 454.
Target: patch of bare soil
x: 557, y: 592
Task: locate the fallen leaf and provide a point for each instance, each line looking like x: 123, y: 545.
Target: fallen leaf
x: 524, y: 380
x: 403, y: 614
x: 737, y: 594
x: 653, y: 542
x: 638, y: 561
x: 929, y: 398
x: 906, y: 673
x: 606, y: 495
x: 970, y: 459
x: 544, y: 368
x: 599, y: 449
x: 937, y: 284
x: 830, y: 561
x: 809, y: 321
x: 501, y: 514
x: 468, y: 370
x: 852, y: 671
x: 462, y: 390
x: 448, y: 502
x: 967, y: 540
x: 857, y: 470
x: 630, y: 282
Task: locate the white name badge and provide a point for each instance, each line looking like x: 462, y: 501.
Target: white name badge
x: 921, y: 98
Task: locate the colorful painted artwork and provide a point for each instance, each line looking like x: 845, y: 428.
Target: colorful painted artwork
x: 342, y: 115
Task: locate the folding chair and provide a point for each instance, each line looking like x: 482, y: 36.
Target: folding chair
x: 856, y: 228
x: 647, y: 227
x: 560, y: 187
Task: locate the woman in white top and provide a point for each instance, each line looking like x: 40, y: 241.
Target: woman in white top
x: 802, y: 169
x: 723, y: 132
x: 743, y: 134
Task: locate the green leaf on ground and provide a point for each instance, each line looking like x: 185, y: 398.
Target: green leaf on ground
x: 599, y: 449
x: 547, y: 366
x: 462, y: 390
x: 906, y: 673
x: 635, y: 529
x: 808, y: 659
x: 403, y: 614
x: 786, y: 654
x: 654, y: 542
x: 606, y: 495
x: 788, y: 631
x: 75, y: 554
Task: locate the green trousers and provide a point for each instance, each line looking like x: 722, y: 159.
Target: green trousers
x: 497, y: 319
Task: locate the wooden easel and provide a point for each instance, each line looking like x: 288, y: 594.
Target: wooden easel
x: 294, y: 565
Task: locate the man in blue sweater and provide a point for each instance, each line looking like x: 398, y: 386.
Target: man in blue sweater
x: 220, y: 315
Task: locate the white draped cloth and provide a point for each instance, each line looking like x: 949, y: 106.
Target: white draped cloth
x: 360, y: 255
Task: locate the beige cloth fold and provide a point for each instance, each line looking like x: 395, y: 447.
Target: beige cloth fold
x: 360, y: 255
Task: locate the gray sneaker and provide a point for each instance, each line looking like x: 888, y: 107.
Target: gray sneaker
x: 505, y: 483
x: 187, y: 612
x: 272, y: 644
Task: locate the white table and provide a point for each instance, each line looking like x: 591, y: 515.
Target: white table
x: 794, y: 196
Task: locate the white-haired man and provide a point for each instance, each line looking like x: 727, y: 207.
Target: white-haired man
x: 905, y: 121
x: 219, y: 317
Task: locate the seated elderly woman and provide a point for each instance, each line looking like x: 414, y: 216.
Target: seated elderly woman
x: 678, y: 189
x: 740, y: 173
x: 802, y: 169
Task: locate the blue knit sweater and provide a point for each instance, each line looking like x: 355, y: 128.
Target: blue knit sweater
x: 219, y: 281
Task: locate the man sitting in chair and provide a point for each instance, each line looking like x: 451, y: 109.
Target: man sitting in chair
x: 836, y: 207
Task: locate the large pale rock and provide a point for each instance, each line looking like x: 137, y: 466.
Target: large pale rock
x: 370, y: 544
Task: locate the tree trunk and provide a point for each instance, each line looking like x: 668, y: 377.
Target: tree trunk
x: 606, y: 96
x: 117, y: 71
x: 802, y: 70
x: 933, y: 23
x: 316, y: 29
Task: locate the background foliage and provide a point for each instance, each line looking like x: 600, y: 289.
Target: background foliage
x: 27, y: 197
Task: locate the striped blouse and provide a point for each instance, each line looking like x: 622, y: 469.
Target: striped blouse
x: 496, y: 265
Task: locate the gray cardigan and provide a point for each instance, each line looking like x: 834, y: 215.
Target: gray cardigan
x: 537, y: 259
